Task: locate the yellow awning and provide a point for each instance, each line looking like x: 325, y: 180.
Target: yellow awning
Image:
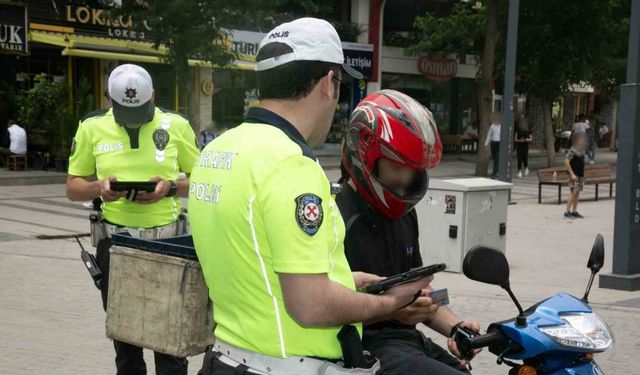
x: 81, y: 41
x: 116, y: 49
x: 110, y: 55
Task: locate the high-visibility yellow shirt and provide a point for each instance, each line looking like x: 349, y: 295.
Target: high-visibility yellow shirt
x: 260, y: 205
x: 162, y: 147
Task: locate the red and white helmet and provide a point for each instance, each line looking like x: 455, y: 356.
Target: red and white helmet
x: 389, y: 124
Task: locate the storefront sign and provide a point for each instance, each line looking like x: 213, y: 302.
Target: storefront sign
x: 359, y: 56
x: 84, y: 19
x: 437, y: 69
x: 118, y: 27
x: 13, y: 29
x: 245, y: 42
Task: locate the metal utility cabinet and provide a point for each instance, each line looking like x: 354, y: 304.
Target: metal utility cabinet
x: 458, y: 214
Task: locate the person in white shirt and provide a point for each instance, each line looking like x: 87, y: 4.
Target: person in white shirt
x: 15, y: 141
x: 470, y: 131
x: 581, y: 126
x: 604, y: 129
x: 493, y: 137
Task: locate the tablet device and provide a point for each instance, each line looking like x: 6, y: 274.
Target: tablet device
x: 146, y: 186
x: 403, y: 278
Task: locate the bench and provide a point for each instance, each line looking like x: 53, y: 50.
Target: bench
x: 469, y: 144
x: 459, y: 143
x: 17, y: 162
x: 599, y: 174
x: 451, y: 143
x: 596, y: 174
x: 556, y: 176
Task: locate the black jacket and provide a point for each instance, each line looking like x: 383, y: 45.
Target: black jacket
x: 375, y: 244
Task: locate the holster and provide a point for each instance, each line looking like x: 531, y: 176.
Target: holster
x: 98, y: 232
x: 353, y: 353
x: 183, y: 223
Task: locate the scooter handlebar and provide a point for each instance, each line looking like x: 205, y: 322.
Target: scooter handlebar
x: 491, y: 337
x: 468, y: 340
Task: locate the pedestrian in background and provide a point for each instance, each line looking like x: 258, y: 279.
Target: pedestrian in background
x: 206, y: 135
x: 493, y: 137
x: 14, y: 141
x: 583, y: 126
x: 522, y: 138
x: 575, y: 166
x: 591, y: 132
x: 603, y: 132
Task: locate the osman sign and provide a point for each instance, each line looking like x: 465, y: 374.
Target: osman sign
x: 13, y: 29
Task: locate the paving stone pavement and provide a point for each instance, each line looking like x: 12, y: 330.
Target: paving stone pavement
x: 51, y: 318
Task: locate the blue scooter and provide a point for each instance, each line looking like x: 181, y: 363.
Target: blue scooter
x: 557, y: 336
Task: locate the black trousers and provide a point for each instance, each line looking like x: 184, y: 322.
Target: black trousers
x: 522, y: 149
x: 409, y: 352
x: 129, y: 358
x: 211, y: 365
x: 495, y: 154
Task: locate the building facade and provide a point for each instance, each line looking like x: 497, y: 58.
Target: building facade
x: 76, y: 41
x: 444, y: 84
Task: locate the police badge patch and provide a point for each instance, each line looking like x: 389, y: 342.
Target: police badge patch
x: 160, y: 139
x: 309, y: 213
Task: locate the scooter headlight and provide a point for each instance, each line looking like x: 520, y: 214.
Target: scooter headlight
x: 584, y: 331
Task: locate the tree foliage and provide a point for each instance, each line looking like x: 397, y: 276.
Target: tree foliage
x: 566, y: 42
x: 48, y: 108
x: 460, y: 33
x: 559, y: 43
x: 196, y: 29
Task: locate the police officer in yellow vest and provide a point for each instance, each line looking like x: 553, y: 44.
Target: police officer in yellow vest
x: 267, y: 231
x: 133, y: 141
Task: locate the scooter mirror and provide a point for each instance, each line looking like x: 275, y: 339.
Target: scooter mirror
x: 486, y: 265
x: 596, y: 259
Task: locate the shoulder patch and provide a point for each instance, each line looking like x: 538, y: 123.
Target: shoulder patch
x: 309, y: 213
x: 96, y: 113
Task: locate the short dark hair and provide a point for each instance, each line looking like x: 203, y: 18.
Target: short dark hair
x: 293, y: 80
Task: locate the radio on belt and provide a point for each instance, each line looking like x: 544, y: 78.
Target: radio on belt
x: 91, y: 264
